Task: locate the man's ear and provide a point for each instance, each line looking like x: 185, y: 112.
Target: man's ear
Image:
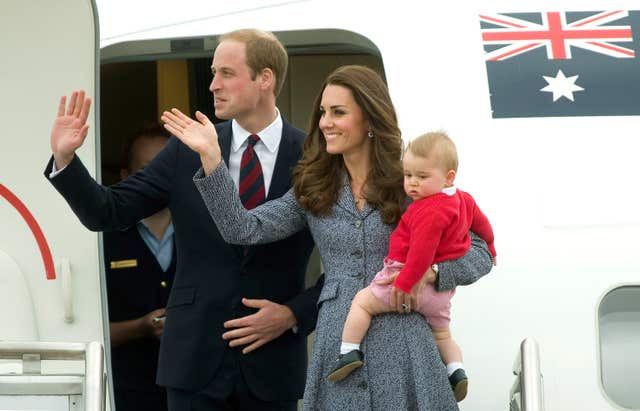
x: 267, y: 79
x: 451, y: 176
x: 124, y: 173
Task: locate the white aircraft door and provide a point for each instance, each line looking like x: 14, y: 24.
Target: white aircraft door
x: 49, y: 48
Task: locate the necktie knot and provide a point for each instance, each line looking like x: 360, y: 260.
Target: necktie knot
x: 253, y: 139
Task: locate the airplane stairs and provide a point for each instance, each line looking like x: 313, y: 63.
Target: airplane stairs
x: 33, y: 389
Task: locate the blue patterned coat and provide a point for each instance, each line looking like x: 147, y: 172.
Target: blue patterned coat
x: 403, y: 369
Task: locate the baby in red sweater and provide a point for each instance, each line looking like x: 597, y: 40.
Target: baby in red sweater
x: 434, y: 228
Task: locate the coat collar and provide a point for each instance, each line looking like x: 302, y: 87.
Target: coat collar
x: 347, y: 202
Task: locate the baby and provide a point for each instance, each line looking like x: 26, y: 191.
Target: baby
x: 434, y: 228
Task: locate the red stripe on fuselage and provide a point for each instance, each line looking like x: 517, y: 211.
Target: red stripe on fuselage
x: 45, y: 252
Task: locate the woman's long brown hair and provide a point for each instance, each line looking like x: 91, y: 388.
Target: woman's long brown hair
x: 318, y: 176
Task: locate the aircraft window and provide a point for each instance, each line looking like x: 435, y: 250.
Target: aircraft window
x: 619, y: 342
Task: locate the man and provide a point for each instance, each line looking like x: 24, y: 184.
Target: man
x: 140, y: 266
x: 249, y: 291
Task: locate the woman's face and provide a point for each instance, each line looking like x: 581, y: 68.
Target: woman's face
x: 342, y: 122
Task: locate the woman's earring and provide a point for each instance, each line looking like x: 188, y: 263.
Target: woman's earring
x: 370, y: 133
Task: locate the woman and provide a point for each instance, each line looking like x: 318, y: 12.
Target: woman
x: 348, y: 190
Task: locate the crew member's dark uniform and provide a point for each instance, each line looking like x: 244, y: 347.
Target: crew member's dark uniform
x: 136, y: 285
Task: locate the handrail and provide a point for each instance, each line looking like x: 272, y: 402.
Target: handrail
x: 67, y: 290
x: 32, y: 352
x: 14, y: 350
x: 527, y: 393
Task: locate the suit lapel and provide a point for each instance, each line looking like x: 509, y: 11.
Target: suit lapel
x: 224, y: 139
x: 285, y: 161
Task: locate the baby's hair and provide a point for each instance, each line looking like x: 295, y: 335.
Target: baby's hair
x: 436, y: 145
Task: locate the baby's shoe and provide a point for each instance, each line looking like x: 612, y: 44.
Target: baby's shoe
x: 459, y: 384
x: 345, y: 364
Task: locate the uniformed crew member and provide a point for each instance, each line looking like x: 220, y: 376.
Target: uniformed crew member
x: 140, y: 265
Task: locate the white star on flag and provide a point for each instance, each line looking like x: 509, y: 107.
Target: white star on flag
x: 561, y: 86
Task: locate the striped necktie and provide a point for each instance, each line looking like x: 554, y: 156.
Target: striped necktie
x: 251, y: 187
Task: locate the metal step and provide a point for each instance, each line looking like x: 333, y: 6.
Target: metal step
x: 32, y: 387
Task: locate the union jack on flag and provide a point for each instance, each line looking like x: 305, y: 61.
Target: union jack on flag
x: 557, y: 35
x: 569, y: 63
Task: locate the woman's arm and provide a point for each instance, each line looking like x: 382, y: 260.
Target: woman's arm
x: 466, y: 269
x: 269, y: 222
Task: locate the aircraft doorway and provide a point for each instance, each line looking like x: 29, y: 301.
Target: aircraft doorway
x: 137, y: 86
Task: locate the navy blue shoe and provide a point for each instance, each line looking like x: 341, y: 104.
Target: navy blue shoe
x: 345, y: 364
x: 459, y: 383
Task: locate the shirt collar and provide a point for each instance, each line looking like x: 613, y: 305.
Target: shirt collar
x: 449, y: 190
x: 167, y: 233
x: 270, y: 135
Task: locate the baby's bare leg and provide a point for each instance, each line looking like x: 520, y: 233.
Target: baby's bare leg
x: 449, y: 350
x: 364, y: 306
x: 452, y: 357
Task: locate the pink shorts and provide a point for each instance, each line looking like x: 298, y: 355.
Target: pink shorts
x: 433, y: 305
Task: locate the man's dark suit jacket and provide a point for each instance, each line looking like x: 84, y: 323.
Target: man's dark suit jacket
x: 212, y: 276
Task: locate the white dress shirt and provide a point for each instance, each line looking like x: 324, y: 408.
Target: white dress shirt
x: 266, y: 149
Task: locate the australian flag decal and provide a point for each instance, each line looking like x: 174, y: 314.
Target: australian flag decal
x: 554, y: 64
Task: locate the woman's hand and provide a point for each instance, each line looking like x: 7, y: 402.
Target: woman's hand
x: 429, y: 277
x: 403, y: 302
x: 398, y: 299
x: 200, y: 136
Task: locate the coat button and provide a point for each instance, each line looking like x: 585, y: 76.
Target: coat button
x: 357, y: 254
x: 163, y: 284
x: 360, y: 276
x: 357, y: 223
x: 363, y: 385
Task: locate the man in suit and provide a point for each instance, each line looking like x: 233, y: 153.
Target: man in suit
x: 140, y: 266
x: 237, y: 318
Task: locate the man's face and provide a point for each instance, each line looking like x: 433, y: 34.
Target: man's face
x: 235, y: 94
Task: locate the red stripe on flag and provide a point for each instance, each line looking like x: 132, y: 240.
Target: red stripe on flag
x: 509, y: 36
x: 45, y: 252
x: 504, y: 22
x: 528, y: 46
x: 621, y: 50
x: 600, y: 17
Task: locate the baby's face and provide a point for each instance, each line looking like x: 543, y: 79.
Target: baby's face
x: 422, y: 176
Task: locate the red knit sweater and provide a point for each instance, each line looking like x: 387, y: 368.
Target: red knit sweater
x: 435, y: 229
